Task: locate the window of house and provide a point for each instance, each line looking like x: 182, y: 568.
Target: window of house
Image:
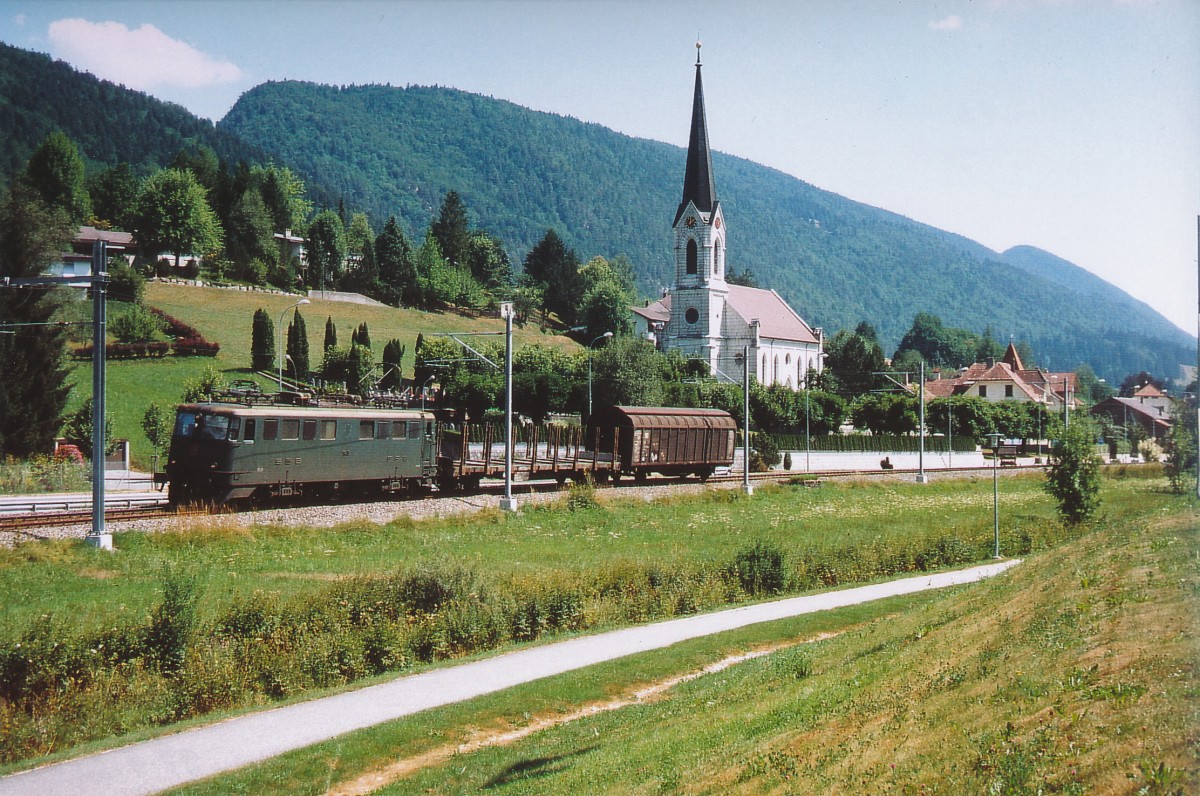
x: 983, y: 391
x: 1008, y: 391
x: 691, y: 257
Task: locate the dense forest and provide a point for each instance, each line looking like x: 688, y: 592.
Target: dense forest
x: 399, y: 151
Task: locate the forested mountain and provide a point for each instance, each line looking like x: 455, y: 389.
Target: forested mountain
x: 398, y: 150
x: 110, y: 123
x: 520, y: 172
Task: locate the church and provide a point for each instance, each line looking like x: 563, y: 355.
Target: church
x: 705, y: 317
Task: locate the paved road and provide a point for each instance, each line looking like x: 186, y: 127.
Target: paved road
x: 152, y: 766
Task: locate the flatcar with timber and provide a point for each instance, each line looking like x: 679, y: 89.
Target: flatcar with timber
x: 224, y: 452
x: 668, y: 441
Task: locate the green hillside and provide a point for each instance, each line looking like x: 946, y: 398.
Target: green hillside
x: 110, y: 123
x: 398, y: 150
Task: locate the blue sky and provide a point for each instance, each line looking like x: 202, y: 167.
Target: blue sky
x: 1071, y: 125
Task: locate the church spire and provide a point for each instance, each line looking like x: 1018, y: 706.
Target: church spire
x: 698, y: 184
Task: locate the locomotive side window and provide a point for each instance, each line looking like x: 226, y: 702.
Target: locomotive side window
x: 235, y: 427
x: 382, y: 428
x: 397, y: 429
x: 366, y: 429
x: 185, y: 424
x: 250, y: 424
x: 215, y: 427
x: 289, y: 429
x: 414, y: 429
x: 328, y: 429
x: 270, y: 429
x: 310, y: 429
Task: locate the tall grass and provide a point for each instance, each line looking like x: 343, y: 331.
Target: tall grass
x: 66, y: 678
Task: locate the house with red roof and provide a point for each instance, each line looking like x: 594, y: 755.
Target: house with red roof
x: 704, y: 316
x: 1008, y: 379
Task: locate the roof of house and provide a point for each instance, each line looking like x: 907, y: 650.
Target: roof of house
x: 1149, y: 391
x: 655, y: 311
x: 109, y: 236
x: 1133, y: 406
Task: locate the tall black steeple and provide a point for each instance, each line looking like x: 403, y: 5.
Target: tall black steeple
x: 698, y: 183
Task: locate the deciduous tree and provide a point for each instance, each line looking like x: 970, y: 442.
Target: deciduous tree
x: 173, y: 215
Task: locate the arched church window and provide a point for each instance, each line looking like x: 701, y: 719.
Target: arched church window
x: 775, y: 372
x: 718, y: 255
x: 691, y: 257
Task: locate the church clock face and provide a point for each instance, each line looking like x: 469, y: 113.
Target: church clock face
x: 718, y: 223
x: 691, y: 222
x: 691, y: 316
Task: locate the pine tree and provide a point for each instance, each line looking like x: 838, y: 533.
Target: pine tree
x: 393, y: 358
x: 56, y: 173
x: 262, y: 341
x: 394, y: 263
x: 297, y: 348
x: 556, y: 268
x: 364, y: 335
x: 330, y: 334
x: 34, y: 388
x: 452, y: 230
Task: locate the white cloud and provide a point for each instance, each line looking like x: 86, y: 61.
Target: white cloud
x: 19, y: 19
x: 952, y: 22
x: 142, y: 59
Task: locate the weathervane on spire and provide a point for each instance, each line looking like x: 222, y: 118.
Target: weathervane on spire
x: 697, y: 52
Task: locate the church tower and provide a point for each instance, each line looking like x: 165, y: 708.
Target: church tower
x: 699, y: 295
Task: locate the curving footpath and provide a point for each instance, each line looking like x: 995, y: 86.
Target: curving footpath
x: 155, y: 765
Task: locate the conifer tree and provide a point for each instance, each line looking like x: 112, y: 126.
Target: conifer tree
x: 394, y: 263
x: 393, y: 358
x: 34, y: 388
x: 452, y: 230
x: 363, y: 337
x: 297, y: 348
x: 262, y: 341
x: 330, y: 334
x: 56, y: 173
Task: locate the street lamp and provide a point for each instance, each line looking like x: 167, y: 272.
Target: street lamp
x: 423, y: 386
x: 994, y: 440
x: 604, y: 336
x: 285, y: 312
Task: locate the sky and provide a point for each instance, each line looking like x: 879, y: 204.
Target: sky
x: 1070, y: 125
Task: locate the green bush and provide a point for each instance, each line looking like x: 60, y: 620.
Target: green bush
x: 759, y: 569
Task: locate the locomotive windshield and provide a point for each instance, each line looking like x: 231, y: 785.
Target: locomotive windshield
x: 195, y: 424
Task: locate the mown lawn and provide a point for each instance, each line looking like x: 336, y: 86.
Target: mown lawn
x: 215, y: 618
x: 1074, y: 673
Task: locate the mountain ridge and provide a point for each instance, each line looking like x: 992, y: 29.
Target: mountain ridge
x: 398, y: 150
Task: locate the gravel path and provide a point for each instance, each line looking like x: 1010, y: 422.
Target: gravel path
x: 172, y: 760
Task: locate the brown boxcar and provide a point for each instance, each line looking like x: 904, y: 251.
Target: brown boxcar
x: 666, y: 440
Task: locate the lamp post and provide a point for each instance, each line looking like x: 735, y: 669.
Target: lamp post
x: 749, y: 490
x: 285, y: 312
x: 508, y: 502
x: 423, y: 386
x: 994, y: 440
x: 604, y: 336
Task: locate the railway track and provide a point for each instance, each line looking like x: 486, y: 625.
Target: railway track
x: 20, y: 523
x: 28, y: 524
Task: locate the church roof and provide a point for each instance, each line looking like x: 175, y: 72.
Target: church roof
x: 776, y: 318
x: 699, y: 187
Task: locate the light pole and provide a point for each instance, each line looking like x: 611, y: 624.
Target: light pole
x: 423, y: 386
x: 749, y: 490
x: 994, y: 439
x: 508, y: 502
x: 285, y: 312
x: 604, y: 336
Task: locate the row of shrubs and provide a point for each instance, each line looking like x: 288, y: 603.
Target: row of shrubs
x: 872, y: 443
x: 187, y: 347
x: 59, y: 687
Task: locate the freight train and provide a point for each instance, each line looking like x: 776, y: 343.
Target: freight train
x: 230, y: 452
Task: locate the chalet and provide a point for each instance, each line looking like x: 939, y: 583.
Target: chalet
x: 705, y: 317
x: 78, y: 261
x: 1008, y: 379
x: 1153, y: 419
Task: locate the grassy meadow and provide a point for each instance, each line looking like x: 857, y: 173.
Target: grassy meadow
x: 214, y: 618
x: 226, y: 316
